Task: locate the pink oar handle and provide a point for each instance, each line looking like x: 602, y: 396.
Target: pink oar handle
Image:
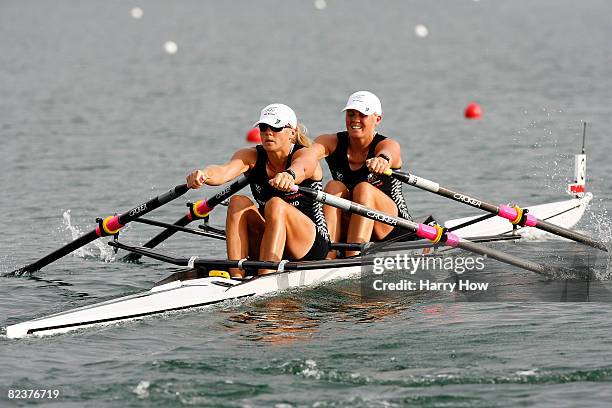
x: 512, y: 214
x: 435, y: 234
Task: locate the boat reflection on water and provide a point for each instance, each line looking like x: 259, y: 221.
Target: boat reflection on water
x: 278, y: 320
x: 284, y: 320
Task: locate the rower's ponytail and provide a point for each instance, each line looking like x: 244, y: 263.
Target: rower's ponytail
x: 301, y: 136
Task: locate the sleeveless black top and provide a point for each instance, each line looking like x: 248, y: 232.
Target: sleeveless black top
x: 341, y: 171
x: 262, y: 191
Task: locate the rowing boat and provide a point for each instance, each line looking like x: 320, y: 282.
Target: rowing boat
x: 194, y: 288
x: 201, y: 284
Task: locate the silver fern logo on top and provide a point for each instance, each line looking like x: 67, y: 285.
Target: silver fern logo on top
x: 277, y: 115
x: 365, y: 102
x: 361, y: 99
x: 270, y: 112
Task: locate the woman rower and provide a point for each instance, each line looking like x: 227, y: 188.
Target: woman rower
x: 357, y: 159
x: 281, y: 225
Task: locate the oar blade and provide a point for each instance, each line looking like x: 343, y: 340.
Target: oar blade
x: 111, y: 225
x: 57, y: 254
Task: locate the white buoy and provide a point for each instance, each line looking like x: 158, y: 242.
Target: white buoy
x: 320, y: 4
x: 421, y: 31
x: 137, y: 13
x: 170, y: 47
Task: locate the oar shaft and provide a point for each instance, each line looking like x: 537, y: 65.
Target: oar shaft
x: 573, y: 235
x: 245, y: 264
x: 423, y: 231
x: 199, y: 210
x: 504, y: 257
x: 109, y: 226
x: 504, y: 211
x: 152, y: 204
x: 433, y: 187
x: 57, y: 254
x: 287, y: 266
x: 162, y: 236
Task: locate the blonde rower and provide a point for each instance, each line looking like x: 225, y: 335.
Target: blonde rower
x: 278, y: 225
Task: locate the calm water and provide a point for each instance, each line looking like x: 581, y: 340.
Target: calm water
x: 95, y: 117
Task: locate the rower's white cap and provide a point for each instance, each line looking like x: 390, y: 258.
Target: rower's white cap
x: 277, y: 115
x: 365, y: 102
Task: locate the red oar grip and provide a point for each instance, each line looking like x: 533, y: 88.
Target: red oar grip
x: 200, y: 209
x: 110, y: 226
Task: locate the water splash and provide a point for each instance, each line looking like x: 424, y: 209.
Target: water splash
x: 599, y: 221
x: 96, y: 249
x: 550, y: 166
x: 142, y: 389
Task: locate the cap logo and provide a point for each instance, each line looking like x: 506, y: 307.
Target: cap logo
x: 277, y: 121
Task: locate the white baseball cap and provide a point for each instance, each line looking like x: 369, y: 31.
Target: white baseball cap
x: 365, y: 102
x: 277, y: 115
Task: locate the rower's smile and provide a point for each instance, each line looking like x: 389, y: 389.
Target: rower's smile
x: 358, y: 124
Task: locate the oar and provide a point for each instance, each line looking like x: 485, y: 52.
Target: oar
x: 109, y: 226
x: 279, y: 266
x: 435, y: 234
x: 515, y: 215
x: 198, y: 210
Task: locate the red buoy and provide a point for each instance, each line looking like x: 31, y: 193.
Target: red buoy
x: 253, y: 136
x: 473, y: 111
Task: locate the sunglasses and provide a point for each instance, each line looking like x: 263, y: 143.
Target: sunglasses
x: 264, y: 126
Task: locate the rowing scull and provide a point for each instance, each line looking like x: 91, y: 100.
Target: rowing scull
x: 193, y: 288
x: 183, y: 291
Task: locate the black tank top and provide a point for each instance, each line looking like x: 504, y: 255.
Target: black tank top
x: 263, y: 191
x: 341, y: 171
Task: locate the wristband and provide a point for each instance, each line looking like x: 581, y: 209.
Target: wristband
x: 384, y: 156
x: 290, y: 172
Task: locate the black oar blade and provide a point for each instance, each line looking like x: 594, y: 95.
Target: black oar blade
x: 55, y: 255
x: 110, y: 226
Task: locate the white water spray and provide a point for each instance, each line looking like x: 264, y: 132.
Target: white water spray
x: 103, y: 252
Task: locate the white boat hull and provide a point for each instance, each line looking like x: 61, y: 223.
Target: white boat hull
x: 174, y: 296
x: 191, y: 293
